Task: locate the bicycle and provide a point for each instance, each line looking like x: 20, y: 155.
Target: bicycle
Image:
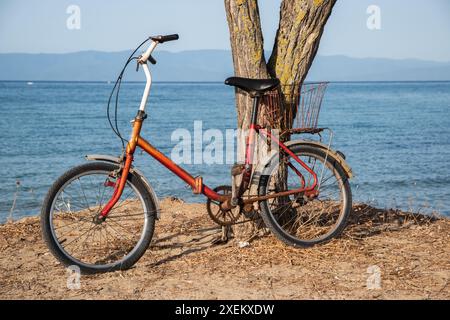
x: 101, y: 215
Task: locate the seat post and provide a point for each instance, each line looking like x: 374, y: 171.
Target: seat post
x: 256, y: 100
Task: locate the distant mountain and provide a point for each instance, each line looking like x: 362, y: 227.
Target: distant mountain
x: 342, y: 68
x: 204, y: 65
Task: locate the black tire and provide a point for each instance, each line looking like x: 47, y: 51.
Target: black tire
x: 271, y: 221
x: 148, y: 213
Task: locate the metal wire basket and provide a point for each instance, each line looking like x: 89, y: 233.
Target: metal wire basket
x: 298, y: 111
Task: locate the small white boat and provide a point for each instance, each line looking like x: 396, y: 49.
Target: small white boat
x: 30, y: 83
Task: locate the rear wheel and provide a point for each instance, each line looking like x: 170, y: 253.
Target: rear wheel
x: 301, y: 219
x: 73, y: 234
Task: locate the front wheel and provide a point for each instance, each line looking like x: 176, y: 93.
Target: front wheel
x: 73, y: 234
x: 302, y: 219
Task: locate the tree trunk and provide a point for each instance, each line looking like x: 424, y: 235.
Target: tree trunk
x: 300, y: 29
x: 301, y: 26
x: 247, y: 46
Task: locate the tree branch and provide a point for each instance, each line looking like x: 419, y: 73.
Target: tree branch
x: 246, y: 38
x: 302, y: 23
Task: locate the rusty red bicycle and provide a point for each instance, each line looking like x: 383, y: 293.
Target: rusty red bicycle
x: 100, y: 216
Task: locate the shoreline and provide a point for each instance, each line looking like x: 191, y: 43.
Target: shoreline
x: 410, y: 252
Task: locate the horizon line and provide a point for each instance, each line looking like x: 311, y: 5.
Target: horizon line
x: 221, y: 82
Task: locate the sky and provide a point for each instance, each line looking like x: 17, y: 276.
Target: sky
x: 418, y: 29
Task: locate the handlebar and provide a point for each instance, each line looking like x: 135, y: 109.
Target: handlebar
x: 156, y: 40
x: 162, y: 39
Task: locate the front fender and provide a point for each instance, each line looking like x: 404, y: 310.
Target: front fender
x: 116, y: 160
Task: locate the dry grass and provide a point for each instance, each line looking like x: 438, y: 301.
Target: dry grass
x: 412, y: 252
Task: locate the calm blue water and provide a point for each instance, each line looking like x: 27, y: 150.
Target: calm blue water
x: 396, y: 137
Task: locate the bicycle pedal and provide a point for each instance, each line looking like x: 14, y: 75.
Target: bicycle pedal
x: 218, y: 241
x: 223, y: 238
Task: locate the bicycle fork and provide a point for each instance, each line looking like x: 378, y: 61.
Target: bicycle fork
x: 125, y: 170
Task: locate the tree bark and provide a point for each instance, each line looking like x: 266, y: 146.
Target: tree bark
x: 300, y: 29
x: 247, y: 46
x: 301, y: 26
x: 302, y: 23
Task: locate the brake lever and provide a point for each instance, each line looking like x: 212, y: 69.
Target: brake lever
x: 151, y: 59
x: 137, y: 64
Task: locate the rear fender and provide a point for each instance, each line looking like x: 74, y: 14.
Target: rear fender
x: 265, y: 167
x: 337, y: 155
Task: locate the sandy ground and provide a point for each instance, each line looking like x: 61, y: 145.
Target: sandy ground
x: 411, y: 253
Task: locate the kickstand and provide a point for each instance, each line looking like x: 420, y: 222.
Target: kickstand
x: 223, y: 237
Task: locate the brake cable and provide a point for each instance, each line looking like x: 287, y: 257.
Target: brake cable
x: 116, y: 88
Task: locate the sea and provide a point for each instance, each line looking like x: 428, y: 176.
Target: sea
x: 395, y: 135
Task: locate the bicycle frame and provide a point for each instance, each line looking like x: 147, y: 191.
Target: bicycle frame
x: 196, y: 183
